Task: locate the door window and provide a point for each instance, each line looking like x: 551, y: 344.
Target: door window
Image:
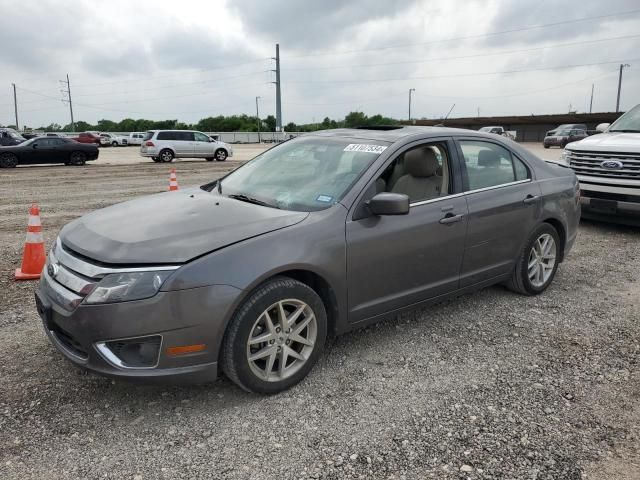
x: 421, y: 173
x: 184, y: 136
x: 489, y: 165
x: 200, y: 137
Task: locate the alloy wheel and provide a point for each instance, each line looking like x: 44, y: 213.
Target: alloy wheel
x: 281, y: 340
x: 542, y: 260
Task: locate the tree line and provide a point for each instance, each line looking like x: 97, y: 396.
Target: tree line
x: 221, y: 123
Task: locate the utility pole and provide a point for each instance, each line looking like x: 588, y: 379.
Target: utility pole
x: 15, y: 105
x: 622, y: 65
x: 258, y: 115
x: 277, y: 83
x: 410, y: 90
x: 591, y: 102
x: 478, y: 112
x: 67, y: 92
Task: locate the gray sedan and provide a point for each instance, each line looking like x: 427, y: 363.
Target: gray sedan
x: 319, y: 235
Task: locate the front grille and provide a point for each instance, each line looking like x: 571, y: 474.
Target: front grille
x: 611, y: 196
x: 591, y: 163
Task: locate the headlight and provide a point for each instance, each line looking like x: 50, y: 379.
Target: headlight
x: 564, y: 157
x: 122, y: 287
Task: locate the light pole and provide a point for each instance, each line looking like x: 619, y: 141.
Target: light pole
x: 622, y: 65
x: 410, y: 90
x: 258, y: 115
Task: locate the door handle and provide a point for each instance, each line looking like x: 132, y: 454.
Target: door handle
x: 531, y: 199
x: 450, y: 218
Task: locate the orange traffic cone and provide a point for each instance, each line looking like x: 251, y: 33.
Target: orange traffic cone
x: 33, y: 258
x: 173, y: 180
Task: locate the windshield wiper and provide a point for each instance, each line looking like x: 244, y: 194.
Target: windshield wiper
x: 245, y: 198
x: 626, y: 130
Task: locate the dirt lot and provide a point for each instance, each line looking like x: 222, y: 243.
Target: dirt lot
x: 491, y: 385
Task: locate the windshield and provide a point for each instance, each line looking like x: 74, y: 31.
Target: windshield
x: 304, y: 174
x: 629, y: 122
x: 565, y: 132
x: 486, y: 129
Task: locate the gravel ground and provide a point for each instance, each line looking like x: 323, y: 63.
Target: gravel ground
x: 491, y: 385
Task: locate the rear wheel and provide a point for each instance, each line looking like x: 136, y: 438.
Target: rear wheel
x: 166, y: 156
x: 276, y: 336
x: 538, y: 262
x: 155, y: 159
x: 546, y: 146
x: 8, y: 160
x: 77, y: 158
x: 221, y: 155
x: 210, y: 159
x: 114, y: 144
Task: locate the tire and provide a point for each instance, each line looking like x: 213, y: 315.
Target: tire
x: 114, y: 144
x: 546, y: 146
x: 8, y: 160
x: 527, y: 279
x: 263, y: 374
x: 166, y: 156
x: 77, y: 158
x: 155, y: 159
x: 221, y: 155
x: 210, y: 159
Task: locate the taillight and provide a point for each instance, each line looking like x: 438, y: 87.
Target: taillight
x: 149, y: 144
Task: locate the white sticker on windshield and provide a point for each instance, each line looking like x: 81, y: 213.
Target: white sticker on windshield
x: 364, y: 148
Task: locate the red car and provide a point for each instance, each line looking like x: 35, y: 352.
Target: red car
x: 87, y: 138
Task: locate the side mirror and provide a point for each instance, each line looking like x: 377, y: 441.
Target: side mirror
x: 35, y: 145
x: 386, y: 203
x: 602, y: 127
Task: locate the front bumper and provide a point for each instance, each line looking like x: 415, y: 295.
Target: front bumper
x: 610, y: 208
x: 185, y: 317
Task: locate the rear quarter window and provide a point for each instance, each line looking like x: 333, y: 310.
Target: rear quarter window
x: 166, y: 136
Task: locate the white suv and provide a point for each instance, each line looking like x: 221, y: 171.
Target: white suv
x: 165, y: 145
x: 608, y: 167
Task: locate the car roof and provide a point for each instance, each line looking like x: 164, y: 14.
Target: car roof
x: 392, y: 134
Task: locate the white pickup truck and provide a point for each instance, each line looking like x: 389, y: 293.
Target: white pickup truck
x: 608, y: 167
x: 500, y: 131
x: 113, y: 140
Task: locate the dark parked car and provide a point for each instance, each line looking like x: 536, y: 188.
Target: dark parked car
x: 561, y: 137
x: 9, y: 137
x: 321, y: 234
x: 47, y: 150
x: 570, y: 126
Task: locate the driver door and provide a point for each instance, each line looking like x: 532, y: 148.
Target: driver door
x: 202, y: 145
x: 397, y: 261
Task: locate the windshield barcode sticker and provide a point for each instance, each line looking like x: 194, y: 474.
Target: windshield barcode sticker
x: 364, y: 148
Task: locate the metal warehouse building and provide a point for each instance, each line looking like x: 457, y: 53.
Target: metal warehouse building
x: 529, y: 128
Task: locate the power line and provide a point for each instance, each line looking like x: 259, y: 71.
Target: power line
x: 459, y: 57
x: 474, y: 74
x: 469, y: 37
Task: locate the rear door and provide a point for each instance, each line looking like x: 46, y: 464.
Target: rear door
x: 184, y: 144
x: 503, y: 201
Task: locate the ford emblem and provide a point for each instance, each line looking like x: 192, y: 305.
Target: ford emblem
x: 612, y: 164
x: 52, y: 270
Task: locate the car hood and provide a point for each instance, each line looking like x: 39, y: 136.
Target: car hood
x: 171, y: 227
x: 606, y: 141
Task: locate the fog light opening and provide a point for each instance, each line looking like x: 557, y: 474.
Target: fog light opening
x: 140, y: 352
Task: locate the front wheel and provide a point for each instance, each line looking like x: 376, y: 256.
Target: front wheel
x: 221, y: 155
x: 276, y: 336
x: 114, y: 144
x: 538, y: 262
x: 8, y: 160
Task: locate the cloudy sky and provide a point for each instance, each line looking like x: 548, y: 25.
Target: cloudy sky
x: 192, y: 59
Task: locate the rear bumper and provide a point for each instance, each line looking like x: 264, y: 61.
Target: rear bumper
x: 179, y: 318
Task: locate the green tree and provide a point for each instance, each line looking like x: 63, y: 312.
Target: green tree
x: 270, y: 122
